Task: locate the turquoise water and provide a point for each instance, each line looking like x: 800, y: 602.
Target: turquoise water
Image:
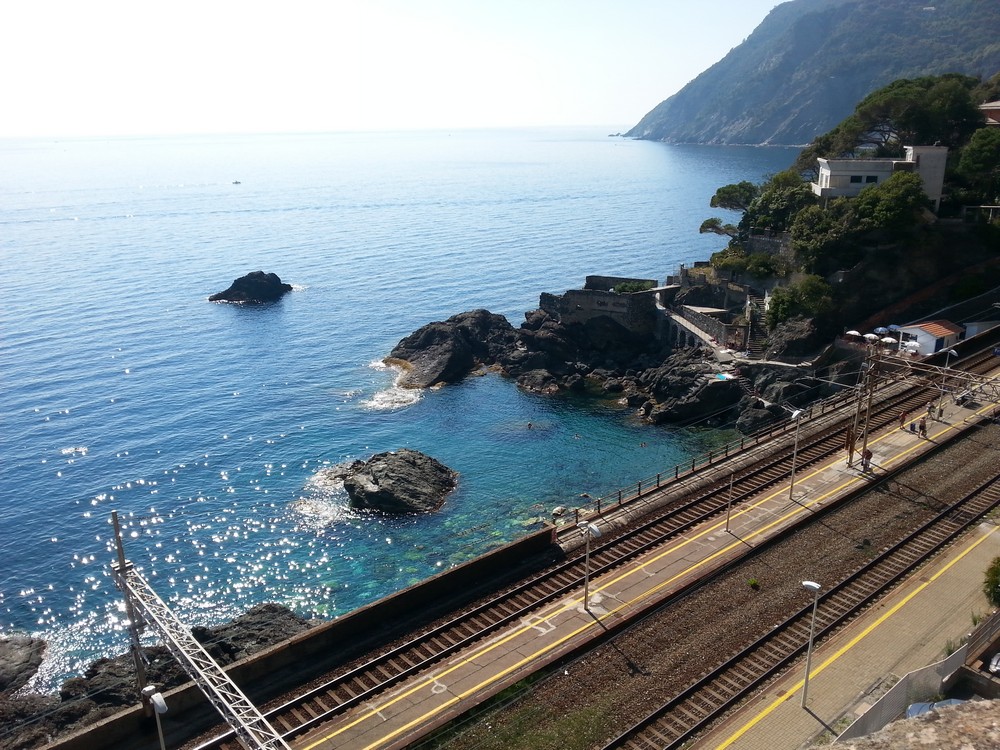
x: 207, y: 426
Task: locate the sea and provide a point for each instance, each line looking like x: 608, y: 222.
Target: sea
x: 208, y: 427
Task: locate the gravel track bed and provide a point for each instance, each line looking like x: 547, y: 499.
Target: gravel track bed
x: 601, y: 694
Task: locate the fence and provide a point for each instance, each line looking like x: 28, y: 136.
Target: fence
x: 920, y: 685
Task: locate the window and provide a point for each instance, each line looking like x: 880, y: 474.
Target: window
x: 855, y: 178
x: 871, y: 178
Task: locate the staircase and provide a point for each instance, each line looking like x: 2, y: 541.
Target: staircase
x: 758, y: 328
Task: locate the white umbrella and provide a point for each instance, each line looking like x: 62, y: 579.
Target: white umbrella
x: 853, y: 333
x: 871, y: 337
x: 888, y: 340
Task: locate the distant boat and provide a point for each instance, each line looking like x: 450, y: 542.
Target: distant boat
x: 236, y: 182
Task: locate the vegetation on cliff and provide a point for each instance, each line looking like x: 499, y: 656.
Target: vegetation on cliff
x: 810, y: 61
x: 851, y: 256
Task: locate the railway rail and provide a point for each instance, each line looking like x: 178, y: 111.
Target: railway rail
x: 691, y: 506
x: 709, y: 698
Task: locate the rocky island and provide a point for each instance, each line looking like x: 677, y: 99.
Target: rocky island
x: 254, y: 288
x: 403, y: 481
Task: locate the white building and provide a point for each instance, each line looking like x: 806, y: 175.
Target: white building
x: 848, y: 177
x: 933, y: 335
x: 991, y: 111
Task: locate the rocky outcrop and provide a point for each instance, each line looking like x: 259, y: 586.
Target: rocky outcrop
x: 960, y: 727
x: 403, y: 481
x: 603, y: 357
x: 109, y: 684
x: 255, y: 287
x: 20, y: 657
x: 445, y: 352
x: 794, y: 338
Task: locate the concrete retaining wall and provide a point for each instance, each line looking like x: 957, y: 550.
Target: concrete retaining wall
x: 267, y: 674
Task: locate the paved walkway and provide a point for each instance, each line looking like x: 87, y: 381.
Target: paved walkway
x: 911, y: 628
x: 462, y: 681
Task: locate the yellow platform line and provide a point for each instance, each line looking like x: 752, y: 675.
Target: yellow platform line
x: 851, y: 644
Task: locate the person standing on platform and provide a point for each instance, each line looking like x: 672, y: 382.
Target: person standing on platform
x: 902, y: 419
x: 923, y: 427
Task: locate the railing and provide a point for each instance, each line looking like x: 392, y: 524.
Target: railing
x: 596, y: 507
x: 630, y: 493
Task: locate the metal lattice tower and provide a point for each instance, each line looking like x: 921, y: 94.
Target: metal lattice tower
x: 250, y: 726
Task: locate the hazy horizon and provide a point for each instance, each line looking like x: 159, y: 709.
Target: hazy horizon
x: 118, y: 69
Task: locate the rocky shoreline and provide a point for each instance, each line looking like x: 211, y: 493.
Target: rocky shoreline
x: 603, y: 358
x: 108, y: 685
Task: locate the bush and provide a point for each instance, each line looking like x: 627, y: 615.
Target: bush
x: 811, y: 297
x: 627, y: 287
x: 991, y: 584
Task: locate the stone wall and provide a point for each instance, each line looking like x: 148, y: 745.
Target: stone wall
x: 635, y: 312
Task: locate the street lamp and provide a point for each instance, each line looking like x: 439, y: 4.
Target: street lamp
x: 589, y: 530
x: 796, y: 415
x: 944, y: 376
x: 814, y: 587
x: 729, y: 502
x: 159, y: 705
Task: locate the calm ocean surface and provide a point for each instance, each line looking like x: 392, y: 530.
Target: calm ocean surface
x: 205, y: 425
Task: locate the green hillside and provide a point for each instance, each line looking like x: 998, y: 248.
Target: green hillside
x: 810, y: 61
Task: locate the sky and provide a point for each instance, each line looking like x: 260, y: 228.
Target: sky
x: 148, y: 67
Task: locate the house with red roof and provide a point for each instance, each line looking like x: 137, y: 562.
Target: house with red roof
x: 933, y: 335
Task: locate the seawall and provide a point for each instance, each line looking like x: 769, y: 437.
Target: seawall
x: 267, y: 674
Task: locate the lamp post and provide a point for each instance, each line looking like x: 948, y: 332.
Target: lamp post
x: 729, y: 503
x: 796, y: 415
x: 589, y: 530
x: 814, y: 587
x: 159, y: 705
x: 944, y: 376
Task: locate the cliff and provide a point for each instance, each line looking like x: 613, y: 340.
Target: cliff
x: 810, y: 61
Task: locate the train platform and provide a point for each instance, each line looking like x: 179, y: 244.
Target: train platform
x: 458, y: 683
x: 916, y: 625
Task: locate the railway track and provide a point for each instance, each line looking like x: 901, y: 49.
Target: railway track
x: 705, y: 701
x: 691, y: 507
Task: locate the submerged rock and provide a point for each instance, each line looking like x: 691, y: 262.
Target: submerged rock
x: 255, y: 287
x: 404, y: 481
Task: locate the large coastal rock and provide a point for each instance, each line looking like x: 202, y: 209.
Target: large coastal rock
x: 445, y: 352
x: 255, y: 287
x: 20, y: 657
x: 403, y: 481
